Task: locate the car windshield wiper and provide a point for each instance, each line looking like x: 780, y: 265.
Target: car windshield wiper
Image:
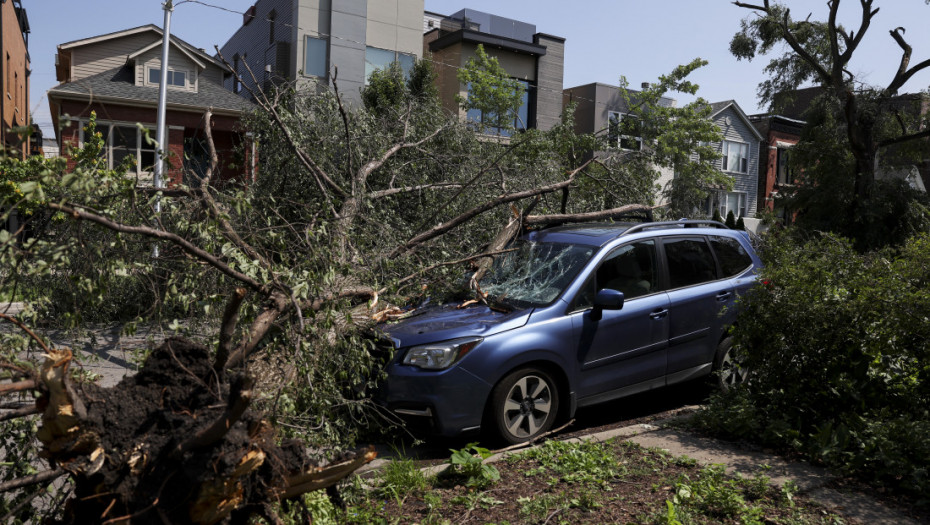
x: 499, y: 303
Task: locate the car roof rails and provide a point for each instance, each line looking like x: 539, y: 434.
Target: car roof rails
x: 681, y: 223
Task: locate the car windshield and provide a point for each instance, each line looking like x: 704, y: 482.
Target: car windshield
x: 534, y: 274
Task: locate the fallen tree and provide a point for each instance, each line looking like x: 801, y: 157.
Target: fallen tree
x: 352, y: 206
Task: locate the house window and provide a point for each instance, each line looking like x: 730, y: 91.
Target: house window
x: 784, y: 174
x: 735, y: 156
x: 734, y: 201
x: 489, y: 123
x: 126, y: 140
x: 315, y: 57
x: 175, y: 77
x: 376, y: 59
x: 624, y: 132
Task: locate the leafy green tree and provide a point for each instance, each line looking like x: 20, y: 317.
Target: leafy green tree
x: 357, y: 210
x: 880, y: 129
x: 677, y: 138
x: 837, y: 359
x: 491, y: 91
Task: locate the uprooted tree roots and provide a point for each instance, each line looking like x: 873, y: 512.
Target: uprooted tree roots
x: 175, y: 443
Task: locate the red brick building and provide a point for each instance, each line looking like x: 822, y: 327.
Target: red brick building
x: 117, y: 76
x: 780, y: 135
x: 14, y: 77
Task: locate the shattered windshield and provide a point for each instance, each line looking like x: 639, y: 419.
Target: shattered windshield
x: 534, y: 274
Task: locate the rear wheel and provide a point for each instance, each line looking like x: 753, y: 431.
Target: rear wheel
x: 730, y: 364
x: 524, y: 405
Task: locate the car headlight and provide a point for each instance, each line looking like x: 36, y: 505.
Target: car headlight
x: 437, y: 356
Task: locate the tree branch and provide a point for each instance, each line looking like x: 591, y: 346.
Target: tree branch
x: 228, y: 328
x: 279, y: 303
x: 18, y: 386
x: 586, y: 217
x: 411, y: 189
x: 175, y: 239
x: 904, y: 138
x: 443, y: 228
x: 239, y: 399
x: 34, y: 479
x: 26, y: 329
x: 20, y: 412
x: 323, y: 180
x: 902, y: 75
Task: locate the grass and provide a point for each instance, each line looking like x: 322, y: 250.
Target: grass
x: 568, y: 483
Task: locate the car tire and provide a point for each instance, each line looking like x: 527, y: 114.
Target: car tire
x: 730, y: 365
x: 524, y: 405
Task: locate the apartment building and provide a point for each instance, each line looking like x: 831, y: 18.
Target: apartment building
x: 322, y: 42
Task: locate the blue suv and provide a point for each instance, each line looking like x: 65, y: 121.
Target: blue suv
x: 572, y: 316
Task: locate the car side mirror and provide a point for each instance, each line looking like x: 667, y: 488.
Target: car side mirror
x: 606, y: 299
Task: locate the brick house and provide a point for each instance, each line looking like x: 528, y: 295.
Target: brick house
x: 780, y: 134
x: 15, y: 70
x: 117, y: 75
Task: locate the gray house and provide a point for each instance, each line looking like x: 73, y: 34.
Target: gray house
x: 310, y: 40
x: 740, y: 150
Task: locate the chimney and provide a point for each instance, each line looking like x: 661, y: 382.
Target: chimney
x: 248, y: 15
x: 644, y: 85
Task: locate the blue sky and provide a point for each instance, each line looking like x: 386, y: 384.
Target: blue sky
x: 604, y: 38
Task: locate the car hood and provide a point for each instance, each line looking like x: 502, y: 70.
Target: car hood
x: 440, y: 323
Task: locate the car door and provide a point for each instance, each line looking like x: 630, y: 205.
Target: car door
x: 696, y: 298
x: 627, y: 346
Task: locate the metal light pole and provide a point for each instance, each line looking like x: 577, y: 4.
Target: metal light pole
x: 161, y: 134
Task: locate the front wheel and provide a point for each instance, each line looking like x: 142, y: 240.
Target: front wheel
x: 730, y: 364
x: 524, y: 405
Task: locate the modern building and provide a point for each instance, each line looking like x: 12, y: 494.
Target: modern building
x: 322, y: 42
x: 599, y: 109
x: 535, y: 59
x: 117, y: 76
x: 15, y: 69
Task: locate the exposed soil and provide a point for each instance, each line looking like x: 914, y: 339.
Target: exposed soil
x: 154, y: 471
x: 637, y: 491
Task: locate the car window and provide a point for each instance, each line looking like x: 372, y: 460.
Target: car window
x: 631, y: 269
x: 733, y: 258
x: 690, y: 261
x: 534, y: 274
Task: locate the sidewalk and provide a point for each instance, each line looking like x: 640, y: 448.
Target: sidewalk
x: 106, y: 352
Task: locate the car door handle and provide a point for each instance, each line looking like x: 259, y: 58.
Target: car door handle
x: 723, y: 296
x: 659, y: 314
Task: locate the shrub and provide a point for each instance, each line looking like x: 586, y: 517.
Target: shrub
x: 839, y: 344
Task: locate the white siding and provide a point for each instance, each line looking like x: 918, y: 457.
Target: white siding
x: 103, y: 56
x: 176, y: 61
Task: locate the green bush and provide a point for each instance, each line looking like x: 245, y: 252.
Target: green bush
x: 839, y: 347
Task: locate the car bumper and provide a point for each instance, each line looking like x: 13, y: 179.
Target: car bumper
x: 446, y: 402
